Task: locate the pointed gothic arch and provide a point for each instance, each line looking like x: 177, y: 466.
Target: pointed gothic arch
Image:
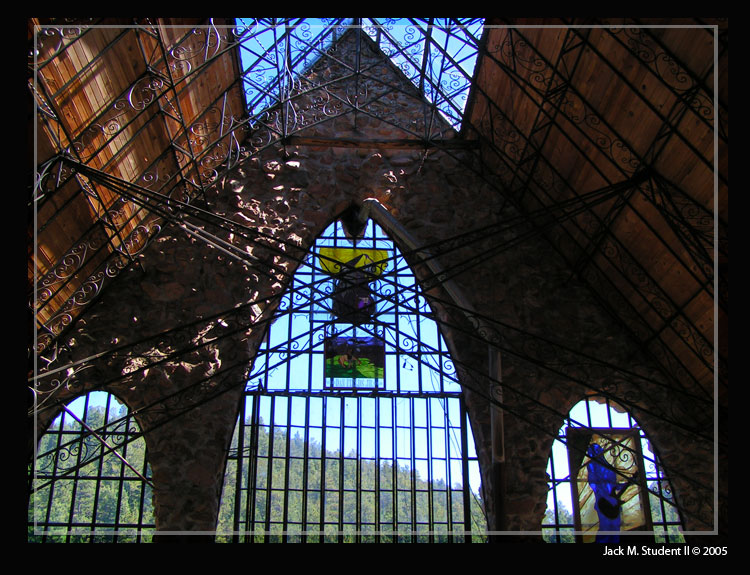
x: 600, y: 434
x: 90, y: 480
x: 374, y: 445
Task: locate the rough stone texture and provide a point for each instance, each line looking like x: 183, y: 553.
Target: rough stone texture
x: 288, y: 195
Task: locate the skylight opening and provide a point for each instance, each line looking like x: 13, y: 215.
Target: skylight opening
x: 274, y: 49
x: 438, y: 55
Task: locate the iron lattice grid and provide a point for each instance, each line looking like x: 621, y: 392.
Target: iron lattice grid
x: 390, y: 462
x: 113, y: 248
x: 118, y: 234
x: 92, y: 463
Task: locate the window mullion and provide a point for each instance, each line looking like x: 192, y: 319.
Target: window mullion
x: 323, y: 467
x: 348, y: 495
x: 413, y: 474
x: 394, y: 469
x: 465, y: 469
x: 87, y: 503
x: 269, y: 468
x: 287, y: 460
x: 239, y: 462
x: 305, y: 465
x: 376, y: 471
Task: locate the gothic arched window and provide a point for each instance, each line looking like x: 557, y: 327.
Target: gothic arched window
x: 605, y: 479
x: 91, y: 480
x: 353, y: 425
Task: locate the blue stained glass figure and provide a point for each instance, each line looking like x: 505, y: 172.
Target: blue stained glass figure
x: 603, y: 482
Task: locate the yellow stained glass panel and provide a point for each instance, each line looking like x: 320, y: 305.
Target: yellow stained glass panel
x: 333, y: 258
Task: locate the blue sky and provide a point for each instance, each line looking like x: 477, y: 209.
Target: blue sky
x: 402, y: 39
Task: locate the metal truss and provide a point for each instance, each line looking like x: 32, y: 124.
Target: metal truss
x: 485, y: 242
x: 520, y: 161
x: 435, y: 54
x: 383, y: 489
x: 549, y: 355
x: 91, y: 484
x: 559, y: 525
x: 119, y: 230
x: 176, y: 180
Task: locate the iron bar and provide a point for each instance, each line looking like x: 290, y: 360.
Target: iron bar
x: 525, y: 83
x: 266, y: 372
x: 618, y: 314
x: 640, y: 49
x: 42, y: 31
x: 556, y: 92
x: 506, y: 327
x: 604, y: 228
x: 181, y: 116
x: 559, y: 480
x: 99, y: 199
x: 106, y: 445
x: 225, y: 92
x: 678, y: 96
x: 90, y: 64
x: 652, y: 153
x: 434, y: 88
x: 75, y: 522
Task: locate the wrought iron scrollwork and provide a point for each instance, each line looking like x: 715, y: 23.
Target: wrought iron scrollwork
x: 51, y: 40
x: 520, y: 57
x: 666, y: 68
x: 197, y: 47
x: 144, y: 92
x: 579, y: 112
x: 91, y: 286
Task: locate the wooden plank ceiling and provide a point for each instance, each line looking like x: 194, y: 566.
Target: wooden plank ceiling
x: 143, y: 105
x: 568, y: 111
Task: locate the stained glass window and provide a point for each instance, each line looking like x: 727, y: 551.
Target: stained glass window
x: 91, y: 479
x: 387, y: 455
x: 605, y: 480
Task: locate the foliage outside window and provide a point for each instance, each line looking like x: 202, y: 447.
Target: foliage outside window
x: 83, y: 490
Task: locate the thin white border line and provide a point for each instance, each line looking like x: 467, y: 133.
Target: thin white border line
x: 716, y: 279
x: 39, y: 27
x: 83, y: 26
x: 125, y: 531
x: 35, y: 218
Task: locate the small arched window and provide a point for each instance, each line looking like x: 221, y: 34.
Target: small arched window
x: 605, y: 479
x: 90, y: 481
x: 353, y: 426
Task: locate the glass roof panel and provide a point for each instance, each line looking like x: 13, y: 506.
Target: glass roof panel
x: 438, y: 55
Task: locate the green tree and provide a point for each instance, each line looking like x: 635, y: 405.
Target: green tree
x: 564, y: 532
x: 86, y: 487
x: 337, y: 493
